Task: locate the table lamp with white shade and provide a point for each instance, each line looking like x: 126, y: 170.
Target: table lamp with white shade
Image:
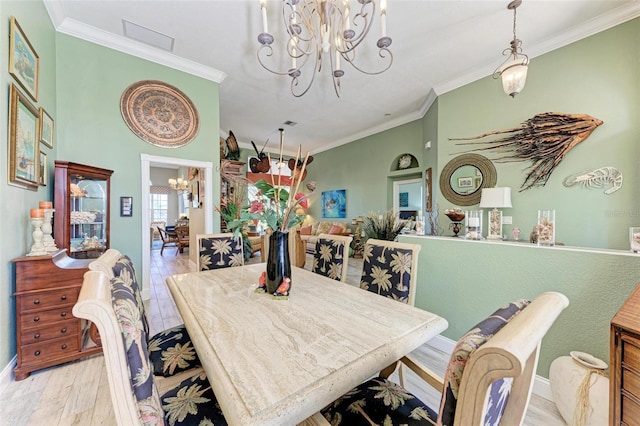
x: 495, y: 198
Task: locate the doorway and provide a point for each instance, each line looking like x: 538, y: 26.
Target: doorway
x: 147, y: 161
x: 408, y: 198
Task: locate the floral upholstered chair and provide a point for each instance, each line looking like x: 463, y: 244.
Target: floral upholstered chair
x: 331, y: 256
x: 488, y: 381
x: 218, y: 251
x: 138, y: 396
x: 171, y: 351
x: 390, y: 269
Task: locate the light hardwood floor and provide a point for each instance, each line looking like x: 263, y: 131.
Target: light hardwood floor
x: 77, y: 393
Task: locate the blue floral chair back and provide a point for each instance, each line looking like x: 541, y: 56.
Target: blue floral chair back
x: 218, y: 251
x: 331, y: 257
x: 131, y: 320
x: 390, y: 269
x: 171, y: 351
x: 488, y: 380
x: 186, y: 399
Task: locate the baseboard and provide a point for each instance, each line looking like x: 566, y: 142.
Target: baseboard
x: 540, y: 385
x: 6, y: 375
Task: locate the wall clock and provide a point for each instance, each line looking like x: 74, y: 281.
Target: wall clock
x: 159, y: 114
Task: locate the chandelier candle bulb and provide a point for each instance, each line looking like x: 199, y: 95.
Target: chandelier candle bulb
x: 347, y: 12
x: 263, y: 5
x: 383, y: 17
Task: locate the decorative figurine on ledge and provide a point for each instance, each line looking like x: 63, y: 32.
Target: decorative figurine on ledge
x: 262, y: 283
x: 282, y: 292
x: 456, y: 216
x: 516, y: 234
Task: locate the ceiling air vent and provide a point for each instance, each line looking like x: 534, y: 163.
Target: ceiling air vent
x: 147, y: 36
x: 290, y: 123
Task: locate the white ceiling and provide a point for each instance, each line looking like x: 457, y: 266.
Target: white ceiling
x: 437, y: 47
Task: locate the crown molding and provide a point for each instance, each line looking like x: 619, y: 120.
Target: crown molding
x: 123, y: 44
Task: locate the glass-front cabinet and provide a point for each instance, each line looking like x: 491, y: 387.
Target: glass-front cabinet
x: 81, y: 203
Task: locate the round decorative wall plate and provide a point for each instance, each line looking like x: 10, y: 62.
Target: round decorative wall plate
x: 159, y: 114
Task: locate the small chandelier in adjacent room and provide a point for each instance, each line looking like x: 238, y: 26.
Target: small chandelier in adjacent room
x: 322, y: 33
x: 179, y: 184
x: 514, y: 69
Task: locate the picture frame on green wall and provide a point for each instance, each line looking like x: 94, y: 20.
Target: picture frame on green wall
x: 334, y: 204
x: 45, y: 130
x: 24, y: 63
x: 43, y: 169
x: 24, y: 147
x: 126, y: 206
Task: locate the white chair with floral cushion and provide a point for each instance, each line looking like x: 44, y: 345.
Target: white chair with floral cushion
x: 218, y: 251
x: 171, y: 351
x: 137, y: 395
x: 488, y: 381
x: 331, y: 256
x: 390, y: 269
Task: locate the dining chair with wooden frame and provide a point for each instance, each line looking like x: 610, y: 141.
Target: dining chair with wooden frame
x: 331, y: 257
x: 488, y: 381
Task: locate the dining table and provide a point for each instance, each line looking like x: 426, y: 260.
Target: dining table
x: 279, y: 362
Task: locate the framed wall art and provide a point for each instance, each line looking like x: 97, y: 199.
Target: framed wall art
x: 24, y: 63
x: 126, y: 206
x: 45, y: 130
x: 465, y: 182
x: 334, y: 204
x: 403, y: 199
x: 43, y: 169
x: 427, y: 190
x: 24, y: 149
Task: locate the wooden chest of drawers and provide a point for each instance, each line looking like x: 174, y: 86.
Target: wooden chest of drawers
x: 624, y: 395
x: 47, y: 333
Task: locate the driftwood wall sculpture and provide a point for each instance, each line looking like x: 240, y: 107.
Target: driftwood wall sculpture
x: 544, y: 140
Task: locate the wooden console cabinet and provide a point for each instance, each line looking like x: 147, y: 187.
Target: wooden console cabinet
x: 47, y: 333
x: 624, y: 394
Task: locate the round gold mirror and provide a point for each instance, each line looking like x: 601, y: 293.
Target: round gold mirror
x: 463, y: 178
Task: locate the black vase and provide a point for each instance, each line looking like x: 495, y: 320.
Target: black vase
x: 278, y: 263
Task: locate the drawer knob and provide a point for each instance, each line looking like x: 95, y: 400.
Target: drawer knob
x: 37, y: 353
x: 64, y: 346
x: 36, y: 319
x: 64, y: 297
x: 36, y: 302
x: 36, y: 336
x: 64, y: 314
x: 64, y: 330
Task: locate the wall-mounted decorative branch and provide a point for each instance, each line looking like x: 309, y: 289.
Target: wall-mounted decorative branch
x: 543, y: 140
x: 596, y: 178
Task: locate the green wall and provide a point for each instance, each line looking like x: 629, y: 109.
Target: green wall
x: 599, y: 76
x: 465, y: 281
x: 91, y: 129
x: 366, y: 169
x: 80, y: 85
x: 15, y: 230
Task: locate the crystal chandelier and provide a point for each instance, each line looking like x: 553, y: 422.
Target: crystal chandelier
x: 326, y: 30
x: 514, y: 69
x: 180, y: 184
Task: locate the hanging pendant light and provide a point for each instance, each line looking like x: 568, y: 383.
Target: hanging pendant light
x: 514, y: 69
